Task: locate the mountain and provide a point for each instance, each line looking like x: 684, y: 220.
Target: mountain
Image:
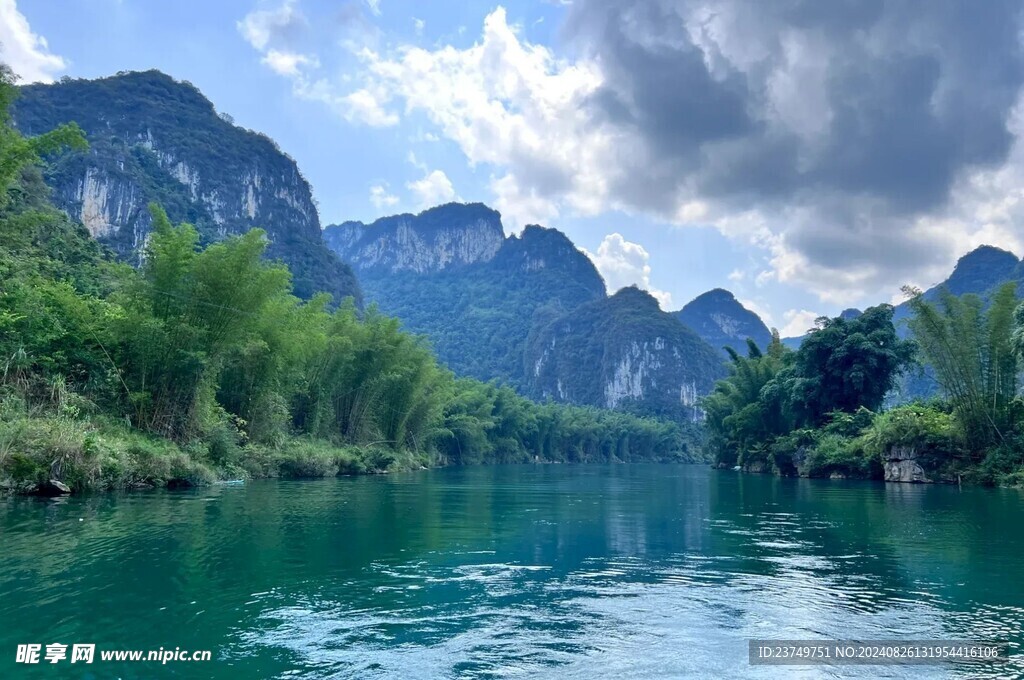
x: 719, y: 318
x: 153, y: 138
x: 529, y: 310
x: 979, y: 272
x: 623, y: 352
x: 451, y: 274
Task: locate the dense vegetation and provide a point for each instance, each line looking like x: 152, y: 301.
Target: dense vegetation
x: 155, y: 139
x: 623, y: 352
x: 478, y: 316
x: 818, y: 411
x: 204, y: 364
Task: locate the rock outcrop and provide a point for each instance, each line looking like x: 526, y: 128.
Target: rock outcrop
x: 901, y: 465
x: 51, y: 489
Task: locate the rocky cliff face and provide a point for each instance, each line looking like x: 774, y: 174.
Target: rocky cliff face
x: 451, y: 274
x: 528, y: 309
x: 156, y: 139
x: 719, y: 318
x: 437, y: 239
x: 623, y: 352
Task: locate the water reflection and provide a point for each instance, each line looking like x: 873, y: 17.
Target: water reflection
x: 561, y: 571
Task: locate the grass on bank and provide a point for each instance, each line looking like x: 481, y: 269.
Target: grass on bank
x: 97, y: 453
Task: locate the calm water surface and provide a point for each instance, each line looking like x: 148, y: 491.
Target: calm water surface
x: 532, y: 571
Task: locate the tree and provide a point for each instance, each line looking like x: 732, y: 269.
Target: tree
x: 846, y: 364
x: 745, y: 410
x: 17, y: 151
x: 974, y: 352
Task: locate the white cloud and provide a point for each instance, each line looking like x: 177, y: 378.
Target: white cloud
x: 433, y: 189
x: 261, y: 27
x: 374, y: 6
x: 381, y: 198
x: 622, y: 263
x: 504, y: 102
x: 737, y: 275
x: 364, y: 106
x: 26, y: 53
x: 797, y: 322
x: 419, y: 25
x: 288, y: 63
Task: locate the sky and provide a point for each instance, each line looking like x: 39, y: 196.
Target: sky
x: 809, y: 156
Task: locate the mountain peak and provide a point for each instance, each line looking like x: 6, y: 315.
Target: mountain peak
x: 438, y: 238
x: 635, y: 296
x: 715, y: 295
x: 986, y: 254
x: 981, y: 269
x: 722, y: 321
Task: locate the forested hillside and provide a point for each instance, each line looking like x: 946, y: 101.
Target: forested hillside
x: 529, y: 310
x: 623, y: 352
x: 451, y: 274
x: 203, y: 364
x: 155, y: 139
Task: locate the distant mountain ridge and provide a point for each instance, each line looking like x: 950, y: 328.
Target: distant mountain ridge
x: 529, y: 309
x: 451, y: 274
x: 722, y: 321
x: 153, y: 138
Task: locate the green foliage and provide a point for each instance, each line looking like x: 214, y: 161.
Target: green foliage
x: 845, y: 364
x: 745, y: 411
x: 157, y: 140
x: 803, y: 412
x: 204, y: 363
x: 927, y: 427
x: 974, y: 353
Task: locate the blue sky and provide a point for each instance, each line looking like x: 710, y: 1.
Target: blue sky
x: 808, y: 159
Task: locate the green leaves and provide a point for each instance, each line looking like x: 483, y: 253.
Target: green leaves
x: 974, y: 352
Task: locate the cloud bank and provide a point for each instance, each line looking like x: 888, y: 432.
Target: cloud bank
x: 855, y: 146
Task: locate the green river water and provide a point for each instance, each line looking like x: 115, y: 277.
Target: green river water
x: 561, y: 571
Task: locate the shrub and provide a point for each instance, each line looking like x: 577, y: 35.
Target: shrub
x: 926, y: 428
x: 305, y: 458
x: 836, y: 453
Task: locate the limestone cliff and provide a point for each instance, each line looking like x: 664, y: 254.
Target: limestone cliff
x: 436, y: 239
x: 153, y: 138
x: 623, y: 352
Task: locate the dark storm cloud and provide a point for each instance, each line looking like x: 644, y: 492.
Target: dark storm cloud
x: 779, y: 103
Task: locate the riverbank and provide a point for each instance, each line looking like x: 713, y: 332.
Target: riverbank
x: 52, y: 455
x: 105, y: 455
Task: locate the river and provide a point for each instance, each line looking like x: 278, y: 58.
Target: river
x: 562, y: 571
